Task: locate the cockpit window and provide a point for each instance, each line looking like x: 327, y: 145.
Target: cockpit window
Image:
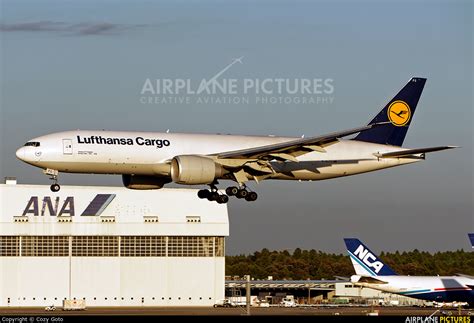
x: 33, y: 143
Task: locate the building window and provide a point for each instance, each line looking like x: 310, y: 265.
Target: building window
x: 95, y: 246
x: 142, y: 246
x: 9, y: 246
x: 220, y: 247
x: 190, y: 246
x: 45, y: 246
x: 108, y: 246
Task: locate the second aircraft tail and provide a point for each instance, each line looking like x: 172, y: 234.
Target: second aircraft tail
x: 365, y: 262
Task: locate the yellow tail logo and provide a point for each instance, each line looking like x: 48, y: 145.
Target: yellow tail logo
x: 399, y: 113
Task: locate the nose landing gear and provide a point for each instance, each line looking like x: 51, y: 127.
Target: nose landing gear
x: 53, y: 175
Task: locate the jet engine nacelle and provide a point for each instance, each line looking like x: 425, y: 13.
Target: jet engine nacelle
x: 192, y: 169
x: 143, y: 182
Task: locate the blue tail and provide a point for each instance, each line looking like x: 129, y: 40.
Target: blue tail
x: 471, y: 237
x: 399, y: 112
x: 364, y: 260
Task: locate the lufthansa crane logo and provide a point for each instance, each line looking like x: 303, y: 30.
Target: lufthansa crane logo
x: 399, y: 113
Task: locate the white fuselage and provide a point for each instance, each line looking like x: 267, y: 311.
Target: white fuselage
x: 433, y: 288
x: 148, y: 153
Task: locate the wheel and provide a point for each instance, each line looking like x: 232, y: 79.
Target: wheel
x: 213, y: 196
x: 202, y: 194
x: 232, y: 190
x: 55, y: 187
x: 242, y: 193
x: 252, y: 196
x: 222, y: 199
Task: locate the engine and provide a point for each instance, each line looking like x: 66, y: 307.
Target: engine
x: 191, y: 169
x: 143, y: 182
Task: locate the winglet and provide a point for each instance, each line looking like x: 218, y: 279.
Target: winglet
x: 365, y: 262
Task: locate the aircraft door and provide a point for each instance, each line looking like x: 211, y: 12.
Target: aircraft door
x: 67, y: 146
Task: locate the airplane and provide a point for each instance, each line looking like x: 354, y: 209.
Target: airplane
x: 148, y: 160
x: 373, y: 273
x: 471, y: 237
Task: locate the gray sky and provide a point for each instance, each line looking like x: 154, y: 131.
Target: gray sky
x: 81, y: 65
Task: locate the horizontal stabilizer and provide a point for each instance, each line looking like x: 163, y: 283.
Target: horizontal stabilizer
x: 464, y: 275
x: 370, y: 280
x: 411, y: 152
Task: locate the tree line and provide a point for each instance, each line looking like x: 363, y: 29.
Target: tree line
x: 312, y: 264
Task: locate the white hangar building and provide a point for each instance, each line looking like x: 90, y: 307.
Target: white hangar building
x: 110, y: 246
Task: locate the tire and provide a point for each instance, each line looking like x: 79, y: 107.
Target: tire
x: 242, y: 193
x: 203, y: 194
x: 213, y: 196
x: 252, y: 196
x: 223, y: 199
x: 231, y: 191
x: 55, y: 187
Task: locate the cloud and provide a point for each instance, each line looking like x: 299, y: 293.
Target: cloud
x: 81, y: 29
x: 33, y: 26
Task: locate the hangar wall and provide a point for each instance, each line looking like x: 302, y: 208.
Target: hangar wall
x: 110, y: 246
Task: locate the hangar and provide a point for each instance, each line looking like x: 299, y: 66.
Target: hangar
x: 110, y: 246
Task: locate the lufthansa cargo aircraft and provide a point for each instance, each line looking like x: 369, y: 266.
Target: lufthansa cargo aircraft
x: 373, y: 273
x: 148, y: 160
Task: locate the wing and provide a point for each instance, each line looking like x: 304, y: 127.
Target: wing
x: 413, y: 152
x: 256, y: 161
x: 290, y: 149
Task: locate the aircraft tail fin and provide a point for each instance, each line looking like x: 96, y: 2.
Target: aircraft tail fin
x: 398, y: 112
x: 365, y: 262
x: 471, y: 237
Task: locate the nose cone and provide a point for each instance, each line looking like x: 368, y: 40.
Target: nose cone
x: 20, y: 153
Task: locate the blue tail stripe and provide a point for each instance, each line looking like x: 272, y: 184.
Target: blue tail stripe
x: 362, y: 264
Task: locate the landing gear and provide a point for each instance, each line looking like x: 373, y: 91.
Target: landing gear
x: 212, y: 194
x: 53, y: 175
x: 241, y: 193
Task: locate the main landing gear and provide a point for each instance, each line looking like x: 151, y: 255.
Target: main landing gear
x: 53, y: 175
x: 241, y: 193
x: 214, y: 195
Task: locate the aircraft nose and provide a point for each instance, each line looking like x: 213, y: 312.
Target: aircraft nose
x: 20, y: 153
